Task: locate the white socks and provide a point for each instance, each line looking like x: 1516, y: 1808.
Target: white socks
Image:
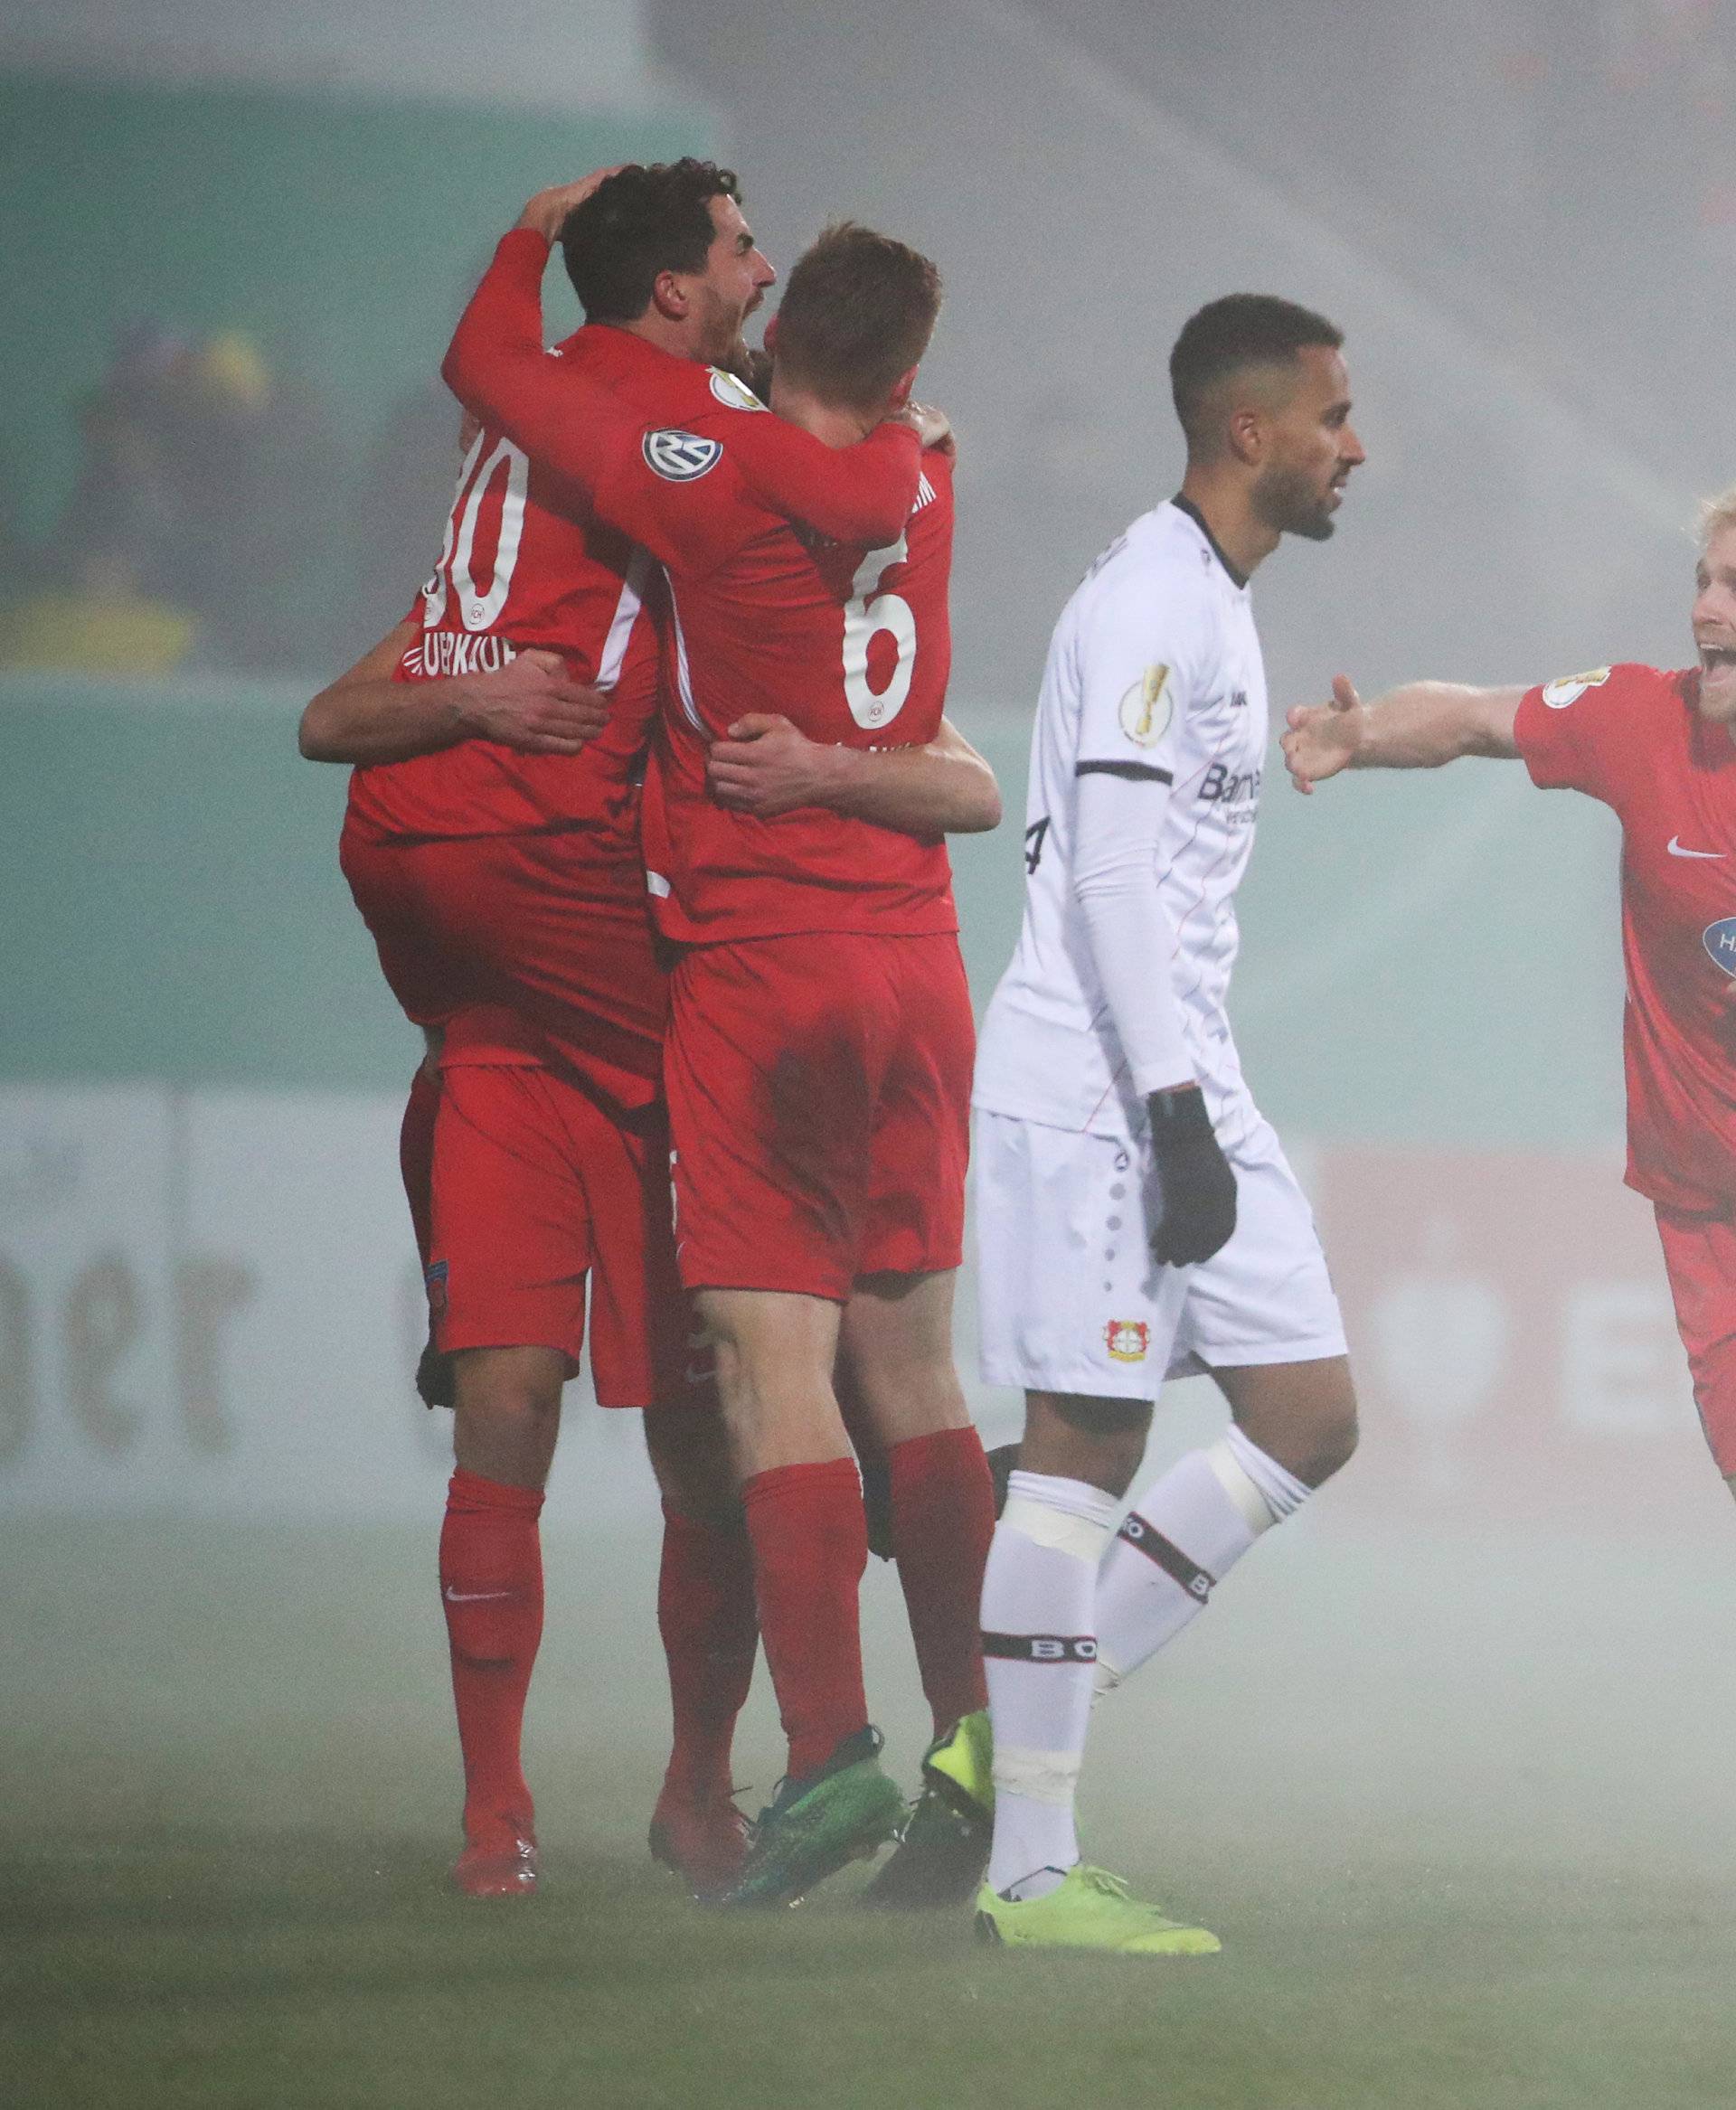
x: 1039, y: 1650
x: 1183, y: 1535
x: 1064, y: 1606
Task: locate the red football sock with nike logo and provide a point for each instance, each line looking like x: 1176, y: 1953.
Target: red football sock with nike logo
x: 810, y: 1546
x: 943, y: 1518
x: 710, y: 1626
x: 491, y: 1589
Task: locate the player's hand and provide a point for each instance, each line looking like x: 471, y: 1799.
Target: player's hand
x: 766, y: 768
x: 1323, y: 737
x: 931, y: 426
x: 533, y: 705
x: 547, y: 212
x: 1193, y: 1177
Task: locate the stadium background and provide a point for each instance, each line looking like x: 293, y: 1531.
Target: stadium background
x: 1472, y: 1707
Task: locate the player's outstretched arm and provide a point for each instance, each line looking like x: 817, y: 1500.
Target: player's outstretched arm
x: 1421, y: 726
x: 365, y: 716
x: 766, y: 766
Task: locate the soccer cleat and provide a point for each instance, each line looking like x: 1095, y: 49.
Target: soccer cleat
x: 1090, y: 1909
x: 960, y: 1768
x: 817, y: 1823
x: 490, y: 1872
x: 939, y: 1860
x: 705, y: 1843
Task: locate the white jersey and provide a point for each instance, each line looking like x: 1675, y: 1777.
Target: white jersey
x: 1153, y: 671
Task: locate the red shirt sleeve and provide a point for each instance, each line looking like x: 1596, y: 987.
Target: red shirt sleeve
x: 692, y: 497
x: 1576, y: 734
x: 860, y: 495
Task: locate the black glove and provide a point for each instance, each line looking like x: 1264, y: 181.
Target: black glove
x: 1198, y: 1188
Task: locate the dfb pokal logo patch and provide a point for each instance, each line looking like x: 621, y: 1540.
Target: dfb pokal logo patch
x: 680, y: 457
x: 1127, y: 1340
x: 435, y: 1277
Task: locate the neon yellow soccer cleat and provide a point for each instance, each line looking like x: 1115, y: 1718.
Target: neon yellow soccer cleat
x: 960, y: 1768
x: 1091, y: 1909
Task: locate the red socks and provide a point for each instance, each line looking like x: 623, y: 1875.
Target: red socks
x: 943, y: 1518
x: 810, y: 1546
x: 416, y: 1154
x: 491, y: 1589
x: 710, y: 1626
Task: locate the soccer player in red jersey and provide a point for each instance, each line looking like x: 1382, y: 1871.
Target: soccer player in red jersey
x: 820, y: 1045
x: 492, y: 844
x: 1660, y: 749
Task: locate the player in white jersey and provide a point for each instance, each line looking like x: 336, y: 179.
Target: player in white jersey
x: 1135, y: 1216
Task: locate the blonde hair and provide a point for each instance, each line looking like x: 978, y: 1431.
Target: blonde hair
x: 1717, y: 514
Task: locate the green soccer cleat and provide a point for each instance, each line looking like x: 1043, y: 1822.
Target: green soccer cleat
x: 960, y: 1768
x: 817, y: 1823
x: 1090, y: 1910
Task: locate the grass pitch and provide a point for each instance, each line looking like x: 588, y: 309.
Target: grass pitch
x: 1461, y: 1811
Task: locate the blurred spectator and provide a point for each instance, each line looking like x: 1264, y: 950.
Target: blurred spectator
x: 200, y: 524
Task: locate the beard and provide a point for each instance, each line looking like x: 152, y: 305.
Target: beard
x: 1289, y: 504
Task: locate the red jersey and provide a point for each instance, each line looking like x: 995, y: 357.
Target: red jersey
x: 845, y: 631
x: 525, y: 563
x: 1632, y: 736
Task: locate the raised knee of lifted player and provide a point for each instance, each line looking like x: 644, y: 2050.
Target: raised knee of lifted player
x: 507, y: 1412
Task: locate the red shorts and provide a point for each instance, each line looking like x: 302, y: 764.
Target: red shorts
x: 536, y: 1186
x: 499, y: 919
x: 1700, y: 1253
x: 820, y: 1102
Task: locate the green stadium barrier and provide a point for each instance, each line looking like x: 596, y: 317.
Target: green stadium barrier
x: 1426, y: 959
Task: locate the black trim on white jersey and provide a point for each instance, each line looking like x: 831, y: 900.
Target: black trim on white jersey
x: 1135, y: 772
x: 1192, y: 512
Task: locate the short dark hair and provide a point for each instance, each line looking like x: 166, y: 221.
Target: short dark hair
x: 1241, y: 330
x: 857, y: 313
x: 635, y: 223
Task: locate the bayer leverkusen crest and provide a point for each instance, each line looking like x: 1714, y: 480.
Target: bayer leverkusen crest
x: 1127, y: 1340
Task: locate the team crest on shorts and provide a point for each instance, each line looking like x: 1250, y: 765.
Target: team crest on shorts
x: 435, y: 1278
x: 1127, y: 1340
x: 679, y: 457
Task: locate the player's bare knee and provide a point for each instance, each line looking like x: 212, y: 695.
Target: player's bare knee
x: 1073, y: 1436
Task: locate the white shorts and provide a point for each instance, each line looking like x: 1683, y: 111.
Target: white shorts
x: 1070, y: 1299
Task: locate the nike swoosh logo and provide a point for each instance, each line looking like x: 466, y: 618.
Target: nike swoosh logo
x: 1677, y: 850
x: 698, y: 1373
x: 473, y: 1597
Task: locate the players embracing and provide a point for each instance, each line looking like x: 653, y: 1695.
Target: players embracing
x: 493, y: 846
x: 820, y: 1043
